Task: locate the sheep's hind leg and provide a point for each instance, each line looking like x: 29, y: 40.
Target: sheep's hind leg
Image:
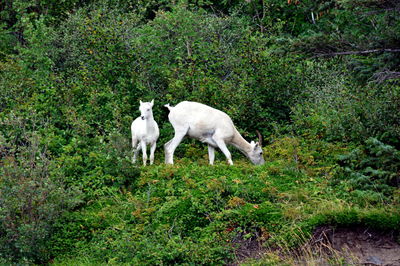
x: 211, y: 154
x: 171, y: 145
x: 165, y: 150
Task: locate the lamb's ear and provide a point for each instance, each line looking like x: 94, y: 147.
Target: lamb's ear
x: 140, y: 102
x: 152, y: 103
x: 252, y: 144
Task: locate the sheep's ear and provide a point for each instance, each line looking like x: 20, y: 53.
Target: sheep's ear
x: 257, y: 144
x: 140, y: 102
x: 254, y: 145
x: 152, y: 103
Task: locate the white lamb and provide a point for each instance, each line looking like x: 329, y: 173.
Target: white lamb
x: 144, y: 131
x: 210, y: 126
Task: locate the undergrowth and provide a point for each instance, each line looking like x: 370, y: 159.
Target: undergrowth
x: 193, y: 213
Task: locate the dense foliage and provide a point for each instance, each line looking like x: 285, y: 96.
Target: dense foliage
x: 318, y: 79
x: 373, y: 169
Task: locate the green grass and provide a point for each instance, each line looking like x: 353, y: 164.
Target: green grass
x: 193, y: 213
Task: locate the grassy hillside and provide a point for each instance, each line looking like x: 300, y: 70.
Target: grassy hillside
x: 194, y: 213
x: 191, y: 212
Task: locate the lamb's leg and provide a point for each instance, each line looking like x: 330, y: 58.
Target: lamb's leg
x: 136, y: 152
x: 134, y: 149
x: 221, y: 144
x: 171, y: 145
x: 143, y: 144
x: 211, y: 154
x: 152, y: 150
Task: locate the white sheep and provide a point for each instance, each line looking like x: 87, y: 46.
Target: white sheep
x: 144, y: 131
x: 210, y: 126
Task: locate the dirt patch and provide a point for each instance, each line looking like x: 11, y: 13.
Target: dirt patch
x: 247, y: 249
x: 328, y: 246
x: 359, y: 245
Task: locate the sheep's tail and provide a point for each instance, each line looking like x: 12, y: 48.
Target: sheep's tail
x: 168, y: 106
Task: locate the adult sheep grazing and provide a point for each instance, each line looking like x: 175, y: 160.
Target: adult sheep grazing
x: 210, y: 126
x: 144, y: 131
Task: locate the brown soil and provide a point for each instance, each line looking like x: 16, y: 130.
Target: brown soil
x: 357, y: 246
x: 360, y: 245
x: 248, y: 249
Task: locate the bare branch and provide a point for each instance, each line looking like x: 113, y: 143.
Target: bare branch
x: 360, y: 52
x: 386, y: 75
x: 188, y: 49
x: 370, y: 13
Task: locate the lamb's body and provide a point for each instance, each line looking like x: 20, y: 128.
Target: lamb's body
x: 208, y: 125
x: 144, y: 132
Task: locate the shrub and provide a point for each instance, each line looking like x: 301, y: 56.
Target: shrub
x: 107, y: 60
x: 32, y: 196
x: 333, y: 107
x: 371, y: 171
x: 99, y: 166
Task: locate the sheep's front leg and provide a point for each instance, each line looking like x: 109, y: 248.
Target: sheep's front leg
x: 211, y: 154
x: 221, y: 144
x: 144, y: 152
x: 152, y: 150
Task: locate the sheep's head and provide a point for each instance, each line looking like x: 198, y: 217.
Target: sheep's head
x: 146, y: 109
x: 256, y: 155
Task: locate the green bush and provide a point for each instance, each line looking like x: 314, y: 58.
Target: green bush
x: 175, y: 215
x: 333, y: 107
x: 32, y: 197
x: 371, y: 171
x: 219, y: 61
x: 99, y: 166
x: 7, y: 42
x: 107, y: 60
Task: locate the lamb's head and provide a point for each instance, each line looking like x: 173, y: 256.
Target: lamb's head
x: 255, y: 154
x: 146, y: 109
